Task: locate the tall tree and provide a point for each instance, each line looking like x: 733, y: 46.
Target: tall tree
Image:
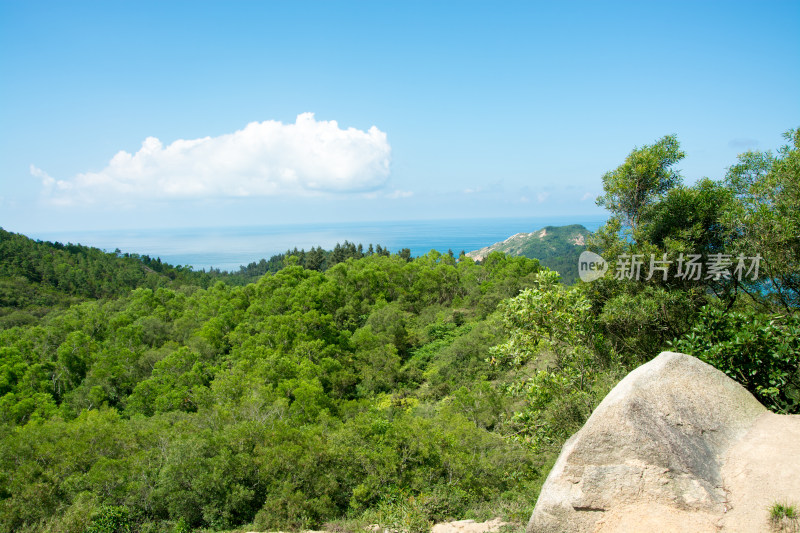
x: 765, y: 221
x: 644, y: 177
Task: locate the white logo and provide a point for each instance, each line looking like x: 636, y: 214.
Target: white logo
x: 591, y: 266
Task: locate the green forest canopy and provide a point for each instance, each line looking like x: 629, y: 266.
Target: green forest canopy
x: 350, y: 387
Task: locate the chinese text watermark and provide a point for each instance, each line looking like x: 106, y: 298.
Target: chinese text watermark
x: 592, y: 266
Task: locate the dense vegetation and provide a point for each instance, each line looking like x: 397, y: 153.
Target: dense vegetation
x: 710, y: 269
x: 38, y: 277
x: 555, y: 247
x: 558, y: 248
x: 316, y: 258
x: 346, y: 388
x: 306, y: 397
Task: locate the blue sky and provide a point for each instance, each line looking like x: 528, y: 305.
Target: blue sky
x: 285, y: 112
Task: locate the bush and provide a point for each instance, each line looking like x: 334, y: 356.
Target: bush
x: 403, y: 512
x: 111, y: 519
x: 762, y: 352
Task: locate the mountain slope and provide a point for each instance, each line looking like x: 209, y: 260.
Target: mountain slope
x: 37, y: 277
x: 556, y: 247
x: 176, y: 407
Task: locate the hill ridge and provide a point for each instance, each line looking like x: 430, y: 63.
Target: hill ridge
x: 556, y: 247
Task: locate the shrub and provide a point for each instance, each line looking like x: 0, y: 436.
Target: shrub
x: 762, y: 352
x: 111, y: 519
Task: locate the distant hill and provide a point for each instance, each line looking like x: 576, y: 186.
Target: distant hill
x: 556, y: 247
x: 37, y: 277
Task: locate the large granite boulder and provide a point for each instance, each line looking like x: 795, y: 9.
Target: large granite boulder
x: 675, y: 446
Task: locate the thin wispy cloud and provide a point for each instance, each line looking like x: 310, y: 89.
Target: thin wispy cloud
x: 743, y: 144
x: 400, y: 194
x: 262, y: 159
x: 47, y: 180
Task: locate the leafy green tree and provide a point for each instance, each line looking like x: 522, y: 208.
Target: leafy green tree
x: 762, y: 352
x: 550, y: 328
x: 657, y: 223
x: 644, y: 177
x: 765, y: 221
x: 74, y: 359
x: 111, y: 519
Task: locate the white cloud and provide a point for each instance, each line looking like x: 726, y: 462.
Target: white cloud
x: 262, y: 159
x: 542, y: 196
x: 392, y: 195
x: 587, y: 196
x: 47, y: 180
x: 400, y: 194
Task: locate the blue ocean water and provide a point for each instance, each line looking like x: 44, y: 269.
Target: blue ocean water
x: 227, y: 248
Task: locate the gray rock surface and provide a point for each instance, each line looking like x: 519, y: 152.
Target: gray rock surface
x: 663, y: 451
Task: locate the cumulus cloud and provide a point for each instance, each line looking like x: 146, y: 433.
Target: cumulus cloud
x: 587, y: 196
x: 542, y: 197
x: 262, y: 159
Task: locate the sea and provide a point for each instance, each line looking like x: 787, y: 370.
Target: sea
x: 228, y: 248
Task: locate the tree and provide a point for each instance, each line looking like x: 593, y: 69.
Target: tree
x: 655, y: 219
x: 644, y: 177
x: 315, y: 259
x: 765, y: 220
x: 762, y: 352
x: 551, y: 326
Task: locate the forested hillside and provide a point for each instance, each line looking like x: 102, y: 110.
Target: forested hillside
x: 348, y: 388
x: 299, y: 399
x: 37, y: 277
x: 555, y: 247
